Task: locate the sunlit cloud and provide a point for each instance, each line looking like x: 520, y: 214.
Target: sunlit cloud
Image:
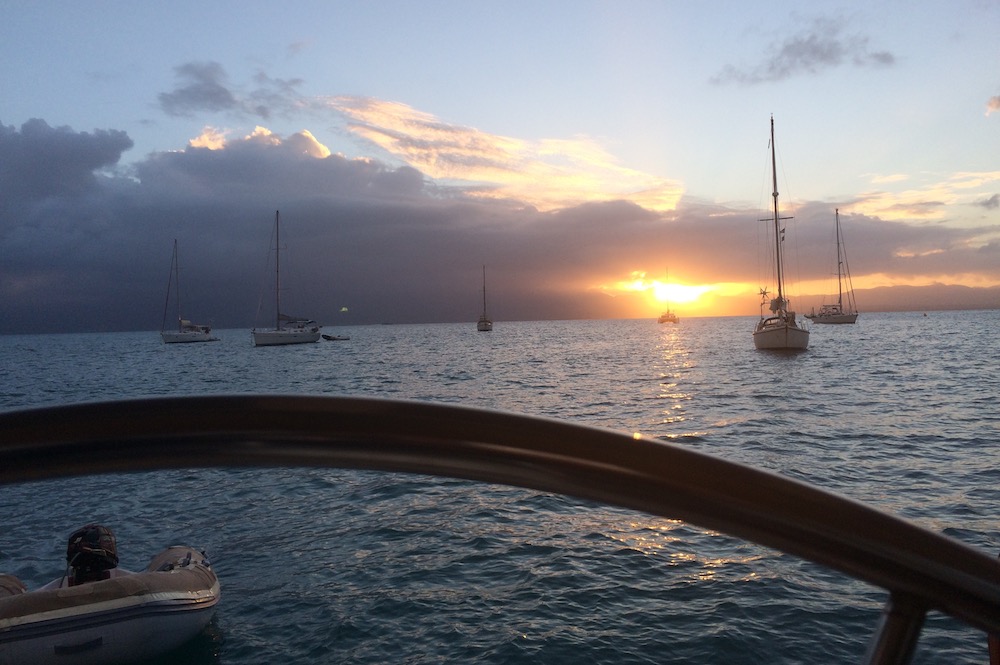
x: 306, y: 143
x: 916, y: 204
x: 993, y: 105
x: 211, y: 138
x: 547, y: 174
x: 908, y: 254
x: 930, y: 202
x: 262, y: 136
x: 303, y: 142
x: 884, y: 179
x: 973, y: 180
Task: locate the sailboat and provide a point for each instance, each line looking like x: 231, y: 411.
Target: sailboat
x: 779, y: 330
x: 485, y: 324
x: 287, y: 329
x: 186, y: 331
x: 836, y: 313
x: 668, y: 316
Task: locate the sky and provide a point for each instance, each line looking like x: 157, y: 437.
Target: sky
x: 600, y: 159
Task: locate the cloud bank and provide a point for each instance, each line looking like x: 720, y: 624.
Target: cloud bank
x: 86, y: 246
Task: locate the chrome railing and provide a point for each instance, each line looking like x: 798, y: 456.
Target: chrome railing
x: 921, y: 570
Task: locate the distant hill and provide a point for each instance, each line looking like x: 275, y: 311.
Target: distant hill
x: 921, y: 298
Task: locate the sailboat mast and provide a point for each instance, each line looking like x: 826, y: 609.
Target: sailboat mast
x: 777, y: 233
x: 171, y: 286
x: 277, y: 272
x: 484, y: 290
x: 177, y: 284
x: 840, y: 264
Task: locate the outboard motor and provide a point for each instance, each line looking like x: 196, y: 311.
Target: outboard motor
x: 91, y: 554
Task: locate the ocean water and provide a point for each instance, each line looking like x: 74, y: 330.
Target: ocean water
x: 339, y: 566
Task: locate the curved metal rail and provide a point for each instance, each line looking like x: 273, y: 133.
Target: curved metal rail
x: 922, y: 570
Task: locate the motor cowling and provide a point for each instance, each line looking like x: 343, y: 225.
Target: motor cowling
x: 90, y: 553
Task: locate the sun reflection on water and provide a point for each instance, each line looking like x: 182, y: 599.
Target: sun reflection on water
x: 672, y: 540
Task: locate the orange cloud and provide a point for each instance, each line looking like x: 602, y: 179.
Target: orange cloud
x: 214, y: 138
x: 929, y: 202
x: 547, y: 174
x: 211, y: 138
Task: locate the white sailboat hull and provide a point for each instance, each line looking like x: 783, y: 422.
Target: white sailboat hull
x: 777, y: 334
x: 184, y: 336
x: 833, y: 318
x: 282, y: 337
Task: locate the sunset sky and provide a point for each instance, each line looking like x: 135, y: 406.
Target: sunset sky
x: 601, y: 159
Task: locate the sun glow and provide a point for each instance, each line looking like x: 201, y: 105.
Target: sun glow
x: 659, y: 294
x: 671, y: 292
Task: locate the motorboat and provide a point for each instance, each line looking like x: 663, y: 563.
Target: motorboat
x: 105, y: 614
x: 920, y: 570
x: 335, y: 338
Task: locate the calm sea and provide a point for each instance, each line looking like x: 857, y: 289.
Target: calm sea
x: 330, y: 566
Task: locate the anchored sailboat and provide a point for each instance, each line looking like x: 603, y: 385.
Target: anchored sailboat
x: 780, y: 330
x: 485, y: 324
x: 186, y: 331
x: 287, y: 329
x: 668, y: 316
x: 838, y: 313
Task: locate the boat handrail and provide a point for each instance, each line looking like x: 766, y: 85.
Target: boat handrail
x: 920, y: 569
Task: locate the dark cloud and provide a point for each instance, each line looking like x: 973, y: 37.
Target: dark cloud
x: 204, y: 86
x: 991, y: 203
x: 259, y: 170
x: 39, y: 163
x: 384, y: 242
x: 819, y: 47
x: 272, y: 96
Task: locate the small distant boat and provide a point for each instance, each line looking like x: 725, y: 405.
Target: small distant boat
x: 336, y: 338
x: 485, y: 323
x: 99, y: 613
x: 837, y: 312
x: 186, y: 331
x: 780, y: 330
x: 287, y: 329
